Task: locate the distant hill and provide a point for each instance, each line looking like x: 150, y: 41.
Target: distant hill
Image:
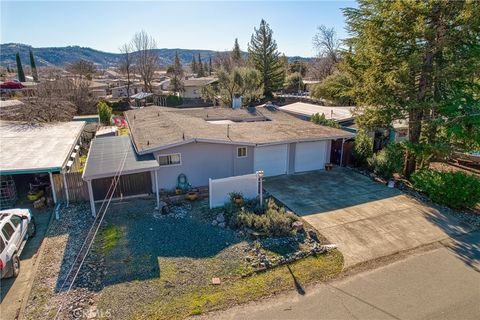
x: 60, y: 56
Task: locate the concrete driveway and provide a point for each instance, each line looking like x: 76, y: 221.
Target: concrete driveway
x: 365, y: 219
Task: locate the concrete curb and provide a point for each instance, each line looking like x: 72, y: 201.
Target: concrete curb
x: 39, y: 255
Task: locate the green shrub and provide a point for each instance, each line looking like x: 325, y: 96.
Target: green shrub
x: 104, y: 112
x: 388, y: 161
x: 363, y: 148
x: 454, y: 189
x: 321, y: 120
x: 275, y: 221
x: 173, y: 101
x: 121, y: 105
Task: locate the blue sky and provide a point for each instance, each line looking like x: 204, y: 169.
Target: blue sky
x: 105, y: 25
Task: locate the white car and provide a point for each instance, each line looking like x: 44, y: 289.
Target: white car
x: 16, y: 225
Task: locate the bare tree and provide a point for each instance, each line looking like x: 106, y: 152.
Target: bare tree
x: 146, y: 59
x: 223, y: 61
x: 82, y: 68
x: 327, y: 46
x: 49, y: 102
x: 126, y: 63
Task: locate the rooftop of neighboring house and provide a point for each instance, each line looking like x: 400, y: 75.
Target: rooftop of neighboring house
x: 97, y: 85
x: 7, y: 104
x: 155, y: 128
x: 198, y: 82
x: 337, y: 113
x: 28, y: 147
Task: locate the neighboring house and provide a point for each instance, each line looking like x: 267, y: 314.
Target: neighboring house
x: 112, y: 74
x: 28, y: 151
x: 10, y: 106
x: 207, y: 143
x: 309, y: 84
x: 305, y: 111
x: 121, y: 91
x: 98, y: 89
x: 193, y: 87
x: 399, y: 131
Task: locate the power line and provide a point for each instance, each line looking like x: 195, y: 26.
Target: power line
x: 114, y: 183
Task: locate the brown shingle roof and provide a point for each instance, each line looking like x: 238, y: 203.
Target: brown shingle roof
x: 159, y: 127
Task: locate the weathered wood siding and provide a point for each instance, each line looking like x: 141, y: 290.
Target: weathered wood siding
x: 128, y: 185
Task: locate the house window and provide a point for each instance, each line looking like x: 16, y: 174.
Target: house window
x: 241, y: 152
x: 174, y: 159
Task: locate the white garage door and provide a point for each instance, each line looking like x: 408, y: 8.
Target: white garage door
x: 271, y: 159
x: 310, y: 155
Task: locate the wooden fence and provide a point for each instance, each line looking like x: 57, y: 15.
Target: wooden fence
x: 128, y: 185
x: 77, y: 187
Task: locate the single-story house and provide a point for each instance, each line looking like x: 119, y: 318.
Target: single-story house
x: 193, y: 87
x: 205, y: 143
x: 29, y: 151
x: 121, y: 91
x: 98, y: 89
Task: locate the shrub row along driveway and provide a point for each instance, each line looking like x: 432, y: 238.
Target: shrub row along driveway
x: 365, y: 219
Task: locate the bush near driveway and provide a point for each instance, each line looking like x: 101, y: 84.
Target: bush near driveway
x: 269, y: 220
x: 388, y: 161
x: 454, y: 189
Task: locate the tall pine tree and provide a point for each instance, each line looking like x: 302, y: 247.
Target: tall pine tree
x: 266, y: 58
x: 417, y: 61
x: 33, y: 67
x: 176, y: 74
x: 210, y: 66
x: 193, y: 65
x: 201, y: 71
x: 236, y: 54
x: 20, y: 73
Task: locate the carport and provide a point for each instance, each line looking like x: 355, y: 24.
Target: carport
x: 115, y: 156
x: 30, y: 150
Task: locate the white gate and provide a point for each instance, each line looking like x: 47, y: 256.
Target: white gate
x: 219, y: 189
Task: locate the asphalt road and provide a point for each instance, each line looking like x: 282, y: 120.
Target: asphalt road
x: 443, y: 283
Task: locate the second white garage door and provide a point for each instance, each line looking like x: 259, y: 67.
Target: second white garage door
x: 271, y: 159
x: 310, y: 156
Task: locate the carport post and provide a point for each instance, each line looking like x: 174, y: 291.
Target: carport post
x: 52, y: 186
x: 341, y: 153
x: 65, y: 186
x: 156, y: 190
x: 92, y: 200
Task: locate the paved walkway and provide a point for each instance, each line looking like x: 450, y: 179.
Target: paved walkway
x: 13, y: 290
x: 440, y: 284
x: 365, y: 219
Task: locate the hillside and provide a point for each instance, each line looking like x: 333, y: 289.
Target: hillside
x: 60, y: 56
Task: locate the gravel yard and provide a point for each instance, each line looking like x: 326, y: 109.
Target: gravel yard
x: 147, y: 265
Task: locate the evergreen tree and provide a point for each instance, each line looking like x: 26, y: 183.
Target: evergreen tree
x: 266, y: 58
x: 417, y: 61
x: 20, y: 73
x: 210, y: 66
x: 193, y: 65
x: 236, y: 54
x: 33, y: 66
x: 201, y: 71
x: 205, y: 68
x: 176, y: 74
